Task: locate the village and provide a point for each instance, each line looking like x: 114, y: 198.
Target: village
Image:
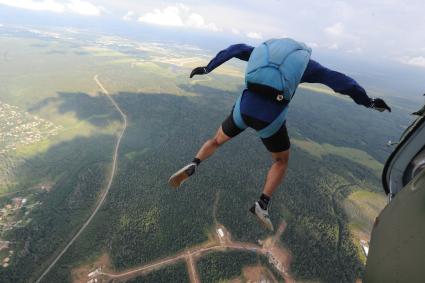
x: 18, y: 128
x: 13, y: 214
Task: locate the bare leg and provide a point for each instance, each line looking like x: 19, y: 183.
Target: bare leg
x: 276, y: 172
x: 208, y: 149
x: 274, y: 178
x: 211, y: 145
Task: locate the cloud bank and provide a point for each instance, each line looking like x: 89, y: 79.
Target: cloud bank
x: 418, y: 61
x: 254, y: 35
x: 177, y: 15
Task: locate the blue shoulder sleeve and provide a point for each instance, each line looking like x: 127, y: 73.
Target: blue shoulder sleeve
x: 316, y: 73
x: 240, y: 51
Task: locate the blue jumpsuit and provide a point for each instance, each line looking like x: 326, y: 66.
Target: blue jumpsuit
x: 258, y: 111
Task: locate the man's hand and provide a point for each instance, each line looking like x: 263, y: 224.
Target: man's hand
x: 198, y: 71
x: 379, y: 104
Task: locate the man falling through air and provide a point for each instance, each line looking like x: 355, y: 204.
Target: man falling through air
x: 274, y: 70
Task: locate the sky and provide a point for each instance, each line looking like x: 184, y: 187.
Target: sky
x: 392, y: 30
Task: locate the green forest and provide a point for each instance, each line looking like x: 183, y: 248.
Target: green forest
x: 218, y: 267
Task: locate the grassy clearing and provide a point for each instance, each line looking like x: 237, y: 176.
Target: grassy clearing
x: 136, y: 154
x: 362, y: 207
x: 103, y: 52
x: 155, y: 69
x: 123, y: 61
x: 358, y: 156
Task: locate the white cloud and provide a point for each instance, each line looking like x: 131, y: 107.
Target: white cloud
x: 418, y: 61
x: 333, y: 46
x: 356, y: 50
x: 129, y: 16
x: 235, y: 31
x: 74, y: 6
x: 178, y: 15
x: 335, y: 29
x: 197, y: 21
x: 170, y: 16
x: 255, y: 35
x: 83, y: 8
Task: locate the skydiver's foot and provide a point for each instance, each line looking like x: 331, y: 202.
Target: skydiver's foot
x: 182, y: 175
x: 262, y: 215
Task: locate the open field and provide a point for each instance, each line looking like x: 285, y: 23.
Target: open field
x: 362, y: 208
x: 357, y: 156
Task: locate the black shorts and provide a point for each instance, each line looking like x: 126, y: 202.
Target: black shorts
x: 278, y: 142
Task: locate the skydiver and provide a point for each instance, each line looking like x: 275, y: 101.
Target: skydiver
x: 274, y: 70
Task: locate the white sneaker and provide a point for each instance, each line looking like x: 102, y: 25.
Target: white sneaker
x: 262, y: 215
x: 182, y: 175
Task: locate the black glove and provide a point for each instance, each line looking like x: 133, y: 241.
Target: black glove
x: 379, y: 104
x: 198, y: 71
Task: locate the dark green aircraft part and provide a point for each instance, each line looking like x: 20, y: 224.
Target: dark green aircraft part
x: 420, y: 112
x: 397, y: 247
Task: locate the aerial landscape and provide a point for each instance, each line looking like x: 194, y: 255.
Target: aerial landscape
x: 92, y: 124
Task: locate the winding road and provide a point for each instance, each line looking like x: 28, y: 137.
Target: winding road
x: 187, y: 255
x: 108, y: 187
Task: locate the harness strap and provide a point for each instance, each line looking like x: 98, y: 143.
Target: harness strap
x: 237, y: 116
x: 274, y: 126
x: 268, y: 131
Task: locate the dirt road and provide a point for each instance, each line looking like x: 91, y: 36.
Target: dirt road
x: 186, y: 255
x: 193, y: 273
x: 108, y: 187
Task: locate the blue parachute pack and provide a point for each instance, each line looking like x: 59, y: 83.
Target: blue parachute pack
x: 277, y: 64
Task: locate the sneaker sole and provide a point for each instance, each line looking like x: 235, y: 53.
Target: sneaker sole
x: 264, y: 224
x: 178, y: 178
